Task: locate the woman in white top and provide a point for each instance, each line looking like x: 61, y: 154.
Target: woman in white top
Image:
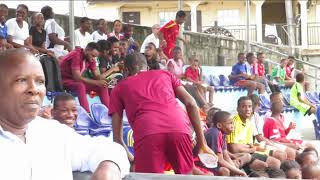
x: 55, y: 40
x: 18, y: 30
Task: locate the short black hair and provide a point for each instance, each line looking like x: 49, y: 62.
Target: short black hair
x: 92, y: 46
x: 220, y: 116
x: 99, y: 21
x: 300, y: 157
x: 175, y: 49
x: 243, y: 98
x: 210, y: 115
x: 291, y: 57
x: 287, y: 165
x: 4, y: 6
x: 309, y: 149
x: 62, y: 97
x: 255, y: 100
x: 275, y: 172
x: 259, y: 54
x: 117, y: 20
x: 104, y: 45
x: 181, y: 14
x: 24, y: 7
x: 134, y: 62
x: 300, y: 77
x: 47, y: 12
x: 272, y: 95
x: 112, y: 39
x: 249, y: 55
x: 84, y: 19
x: 126, y: 28
x: 240, y: 54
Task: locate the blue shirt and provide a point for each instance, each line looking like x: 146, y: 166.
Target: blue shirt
x: 238, y: 69
x: 4, y: 31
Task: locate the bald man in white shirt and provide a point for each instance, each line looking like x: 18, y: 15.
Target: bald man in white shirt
x: 35, y: 148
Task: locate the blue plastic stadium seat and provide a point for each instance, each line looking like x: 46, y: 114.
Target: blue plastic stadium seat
x: 84, y: 121
x: 128, y: 138
x: 100, y: 114
x: 265, y: 102
x: 313, y: 97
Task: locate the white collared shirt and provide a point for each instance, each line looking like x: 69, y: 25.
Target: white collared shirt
x: 151, y: 38
x: 81, y: 40
x: 52, y: 151
x: 96, y: 36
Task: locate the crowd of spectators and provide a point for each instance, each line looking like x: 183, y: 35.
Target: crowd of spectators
x: 146, y: 82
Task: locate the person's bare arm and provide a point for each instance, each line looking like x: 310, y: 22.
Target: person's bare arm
x: 16, y: 45
x: 107, y: 170
x: 223, y: 163
x: 77, y: 77
x: 107, y: 73
x: 305, y: 100
x: 193, y: 113
x: 118, y: 133
x: 241, y: 148
x: 55, y: 40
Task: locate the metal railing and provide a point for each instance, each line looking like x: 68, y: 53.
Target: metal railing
x: 314, y: 33
x: 311, y: 70
x: 239, y: 31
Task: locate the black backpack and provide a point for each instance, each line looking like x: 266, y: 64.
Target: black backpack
x: 52, y: 73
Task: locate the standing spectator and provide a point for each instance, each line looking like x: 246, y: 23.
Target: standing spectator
x: 18, y: 30
x: 100, y: 33
x: 82, y: 36
x: 38, y: 34
x: 169, y: 33
x: 278, y: 74
x: 55, y: 40
x: 151, y: 38
x: 3, y: 27
x: 239, y: 77
x: 73, y: 65
x: 117, y: 28
x: 160, y: 126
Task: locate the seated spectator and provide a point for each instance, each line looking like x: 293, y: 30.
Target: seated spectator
x: 117, y: 28
x: 259, y: 68
x: 193, y: 74
x: 152, y: 38
x: 291, y: 169
x: 252, y: 71
x: 38, y: 34
x: 175, y: 65
x: 106, y: 66
x: 307, y: 159
x: 274, y: 127
x: 298, y: 98
x: 241, y: 138
x: 55, y: 40
x: 290, y: 68
x: 123, y: 49
x: 311, y: 172
x: 160, y: 126
x: 277, y: 150
x: 72, y: 66
x: 18, y: 30
x: 128, y: 36
x: 82, y: 36
x: 152, y: 56
x: 163, y: 58
x: 100, y: 33
x: 115, y: 53
x: 275, y: 173
x: 3, y: 28
x: 215, y: 137
x: 278, y: 74
x: 239, y: 77
x: 274, y: 97
x: 62, y: 150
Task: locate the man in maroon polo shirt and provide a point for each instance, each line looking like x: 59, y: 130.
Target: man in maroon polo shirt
x: 160, y: 126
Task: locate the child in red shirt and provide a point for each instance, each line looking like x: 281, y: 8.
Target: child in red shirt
x: 193, y: 74
x: 274, y: 127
